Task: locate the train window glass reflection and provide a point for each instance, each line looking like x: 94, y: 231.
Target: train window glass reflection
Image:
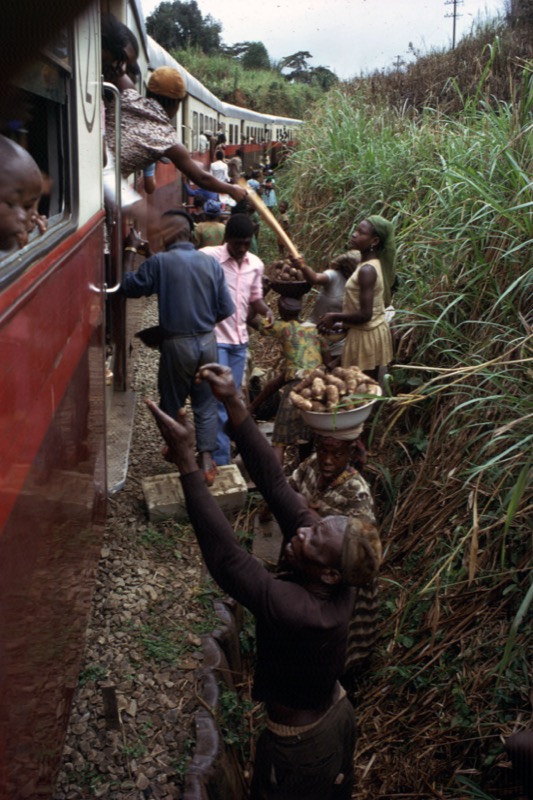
x: 40, y: 124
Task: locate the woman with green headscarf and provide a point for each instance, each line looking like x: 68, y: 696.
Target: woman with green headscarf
x: 368, y: 343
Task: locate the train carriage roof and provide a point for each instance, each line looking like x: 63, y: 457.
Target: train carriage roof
x: 159, y: 57
x: 236, y: 112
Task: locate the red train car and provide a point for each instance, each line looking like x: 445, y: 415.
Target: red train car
x: 61, y: 331
x: 52, y: 413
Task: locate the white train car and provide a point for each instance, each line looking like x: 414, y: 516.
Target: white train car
x: 250, y: 134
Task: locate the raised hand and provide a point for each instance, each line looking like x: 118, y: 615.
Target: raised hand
x: 178, y: 435
x: 220, y: 379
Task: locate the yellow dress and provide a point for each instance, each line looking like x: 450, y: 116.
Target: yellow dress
x: 367, y: 345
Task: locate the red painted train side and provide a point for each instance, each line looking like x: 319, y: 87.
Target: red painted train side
x: 52, y: 436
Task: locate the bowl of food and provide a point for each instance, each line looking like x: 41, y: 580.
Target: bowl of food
x: 294, y: 289
x: 288, y: 281
x: 337, y: 401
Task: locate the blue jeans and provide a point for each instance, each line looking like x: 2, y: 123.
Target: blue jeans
x: 234, y: 357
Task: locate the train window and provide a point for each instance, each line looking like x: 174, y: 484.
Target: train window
x: 41, y: 124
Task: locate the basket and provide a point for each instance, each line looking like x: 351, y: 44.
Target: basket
x: 294, y: 289
x: 330, y: 421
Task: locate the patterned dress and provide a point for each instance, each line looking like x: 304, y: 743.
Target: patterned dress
x: 209, y: 233
x: 145, y: 129
x: 302, y: 352
x: 348, y: 495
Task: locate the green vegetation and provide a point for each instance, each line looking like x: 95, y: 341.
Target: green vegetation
x: 238, y: 719
x: 260, y: 89
x: 181, y: 764
x: 181, y: 24
x: 444, y: 149
x: 240, y: 73
x: 92, y: 672
x: 452, y: 449
x: 166, y: 538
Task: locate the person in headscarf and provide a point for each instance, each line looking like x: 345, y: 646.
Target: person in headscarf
x: 147, y: 131
x: 387, y: 254
x: 368, y: 343
x: 210, y: 232
x: 331, y: 481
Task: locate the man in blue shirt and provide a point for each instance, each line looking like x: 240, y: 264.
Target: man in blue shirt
x: 193, y: 297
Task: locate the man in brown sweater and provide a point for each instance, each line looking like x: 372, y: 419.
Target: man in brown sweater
x: 302, y: 616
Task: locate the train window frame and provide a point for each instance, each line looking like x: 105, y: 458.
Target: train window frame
x: 48, y: 84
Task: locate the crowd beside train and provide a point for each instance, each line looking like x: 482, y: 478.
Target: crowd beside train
x: 316, y: 615
x: 316, y: 619
x: 322, y: 604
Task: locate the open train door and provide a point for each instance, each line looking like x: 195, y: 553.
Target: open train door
x: 123, y: 207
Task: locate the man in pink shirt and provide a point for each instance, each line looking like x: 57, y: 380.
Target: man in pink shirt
x: 244, y: 277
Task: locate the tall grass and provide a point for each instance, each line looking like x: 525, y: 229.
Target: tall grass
x: 453, y: 463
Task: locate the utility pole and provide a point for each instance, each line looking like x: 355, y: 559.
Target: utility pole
x: 399, y: 63
x: 454, y: 14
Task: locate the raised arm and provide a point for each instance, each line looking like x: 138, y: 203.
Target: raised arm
x: 235, y: 570
x: 316, y: 278
x: 181, y: 159
x: 289, y: 507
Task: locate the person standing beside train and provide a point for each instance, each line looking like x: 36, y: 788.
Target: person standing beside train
x: 244, y: 276
x: 302, y: 616
x: 219, y: 168
x: 210, y: 232
x: 193, y: 296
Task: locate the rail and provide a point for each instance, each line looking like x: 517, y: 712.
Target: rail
x: 118, y: 193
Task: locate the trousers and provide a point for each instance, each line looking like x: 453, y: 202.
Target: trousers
x: 314, y: 765
x: 181, y: 358
x: 234, y: 357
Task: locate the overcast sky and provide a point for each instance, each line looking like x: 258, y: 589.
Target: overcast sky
x: 348, y: 36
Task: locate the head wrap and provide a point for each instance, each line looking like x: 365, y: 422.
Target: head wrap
x: 291, y: 304
x: 239, y: 226
x: 387, y: 252
x: 167, y: 82
x: 361, y: 551
x: 212, y: 208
